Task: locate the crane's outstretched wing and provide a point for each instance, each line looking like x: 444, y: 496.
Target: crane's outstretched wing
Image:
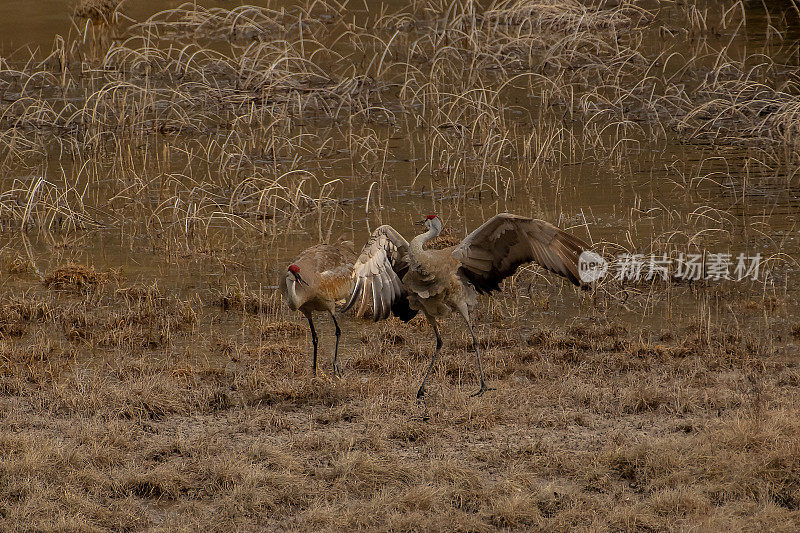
x: 495, y: 250
x: 378, y: 273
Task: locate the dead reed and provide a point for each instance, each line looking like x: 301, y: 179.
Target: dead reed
x: 209, y: 144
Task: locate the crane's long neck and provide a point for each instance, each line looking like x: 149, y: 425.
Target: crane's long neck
x: 415, y: 249
x: 295, y: 301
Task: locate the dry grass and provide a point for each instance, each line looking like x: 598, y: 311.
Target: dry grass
x: 129, y: 408
x: 218, y: 110
x: 207, y: 145
x: 98, y: 11
x: 75, y: 277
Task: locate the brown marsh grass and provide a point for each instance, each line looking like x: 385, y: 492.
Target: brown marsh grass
x: 155, y: 175
x: 128, y: 407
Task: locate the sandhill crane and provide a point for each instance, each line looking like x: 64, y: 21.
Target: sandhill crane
x: 322, y: 275
x: 317, y: 278
x: 396, y: 273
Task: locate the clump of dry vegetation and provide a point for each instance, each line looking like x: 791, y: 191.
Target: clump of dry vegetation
x: 188, y: 156
x: 105, y: 11
x: 75, y: 277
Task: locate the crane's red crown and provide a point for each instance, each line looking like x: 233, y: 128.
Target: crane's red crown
x: 431, y: 217
x: 294, y: 269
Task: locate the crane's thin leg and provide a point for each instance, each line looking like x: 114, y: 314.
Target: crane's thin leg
x: 432, y: 320
x: 465, y: 313
x: 336, y: 370
x: 313, y: 340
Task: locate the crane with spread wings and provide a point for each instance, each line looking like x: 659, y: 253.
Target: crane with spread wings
x: 400, y: 277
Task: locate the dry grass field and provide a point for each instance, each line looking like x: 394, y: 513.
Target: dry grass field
x: 157, y: 175
x: 126, y: 407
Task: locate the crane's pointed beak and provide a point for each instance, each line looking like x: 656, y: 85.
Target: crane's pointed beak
x: 301, y: 280
x: 420, y: 222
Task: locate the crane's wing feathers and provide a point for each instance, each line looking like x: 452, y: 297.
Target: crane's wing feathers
x: 495, y: 250
x: 377, y: 273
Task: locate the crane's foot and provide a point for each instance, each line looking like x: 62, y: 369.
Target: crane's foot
x: 480, y: 391
x: 337, y: 371
x: 421, y: 393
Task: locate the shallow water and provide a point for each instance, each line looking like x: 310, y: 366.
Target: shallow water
x: 651, y: 196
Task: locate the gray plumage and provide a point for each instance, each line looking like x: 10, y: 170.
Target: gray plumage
x: 319, y: 277
x: 396, y: 274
